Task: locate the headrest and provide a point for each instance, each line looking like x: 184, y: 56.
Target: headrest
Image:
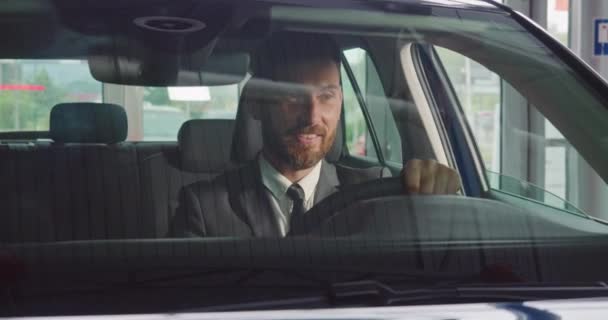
x: 248, y: 142
x: 204, y: 145
x: 88, y: 122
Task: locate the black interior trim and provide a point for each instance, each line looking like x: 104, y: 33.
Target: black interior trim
x: 24, y: 135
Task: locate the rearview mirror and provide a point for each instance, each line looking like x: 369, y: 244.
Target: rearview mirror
x: 169, y: 69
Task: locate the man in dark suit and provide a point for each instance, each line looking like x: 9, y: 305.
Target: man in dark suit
x: 298, y: 101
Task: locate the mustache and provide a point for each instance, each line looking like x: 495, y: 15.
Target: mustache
x: 318, y: 130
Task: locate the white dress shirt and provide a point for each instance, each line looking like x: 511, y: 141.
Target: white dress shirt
x: 276, y: 187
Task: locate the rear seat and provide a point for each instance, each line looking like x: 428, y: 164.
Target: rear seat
x: 80, y: 186
x: 90, y: 184
x: 203, y: 153
x: 24, y: 194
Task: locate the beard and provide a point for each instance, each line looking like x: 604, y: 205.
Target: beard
x: 294, y: 154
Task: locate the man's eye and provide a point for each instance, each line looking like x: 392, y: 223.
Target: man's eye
x: 326, y: 96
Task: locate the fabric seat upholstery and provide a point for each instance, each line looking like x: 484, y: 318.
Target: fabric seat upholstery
x: 83, y: 185
x: 202, y: 153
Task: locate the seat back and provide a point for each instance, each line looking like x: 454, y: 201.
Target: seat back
x: 82, y: 185
x: 202, y: 153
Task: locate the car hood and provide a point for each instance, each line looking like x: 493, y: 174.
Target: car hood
x: 596, y: 308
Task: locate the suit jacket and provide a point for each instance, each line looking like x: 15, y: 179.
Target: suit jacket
x: 236, y: 203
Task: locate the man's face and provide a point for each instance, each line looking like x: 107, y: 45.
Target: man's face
x: 299, y: 125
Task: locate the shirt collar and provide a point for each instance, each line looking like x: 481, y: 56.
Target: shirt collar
x: 278, y: 184
x: 310, y: 181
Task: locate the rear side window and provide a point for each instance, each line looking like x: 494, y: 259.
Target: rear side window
x: 372, y: 96
x: 30, y: 88
x: 165, y: 109
x: 358, y: 138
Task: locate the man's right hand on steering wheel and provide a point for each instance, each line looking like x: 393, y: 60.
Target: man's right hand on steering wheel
x: 429, y: 177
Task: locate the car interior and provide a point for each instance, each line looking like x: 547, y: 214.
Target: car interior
x: 83, y: 180
x: 87, y: 182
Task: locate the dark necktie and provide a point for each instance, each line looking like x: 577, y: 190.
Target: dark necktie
x: 296, y: 194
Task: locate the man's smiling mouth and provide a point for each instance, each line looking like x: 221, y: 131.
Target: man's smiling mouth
x: 308, y: 138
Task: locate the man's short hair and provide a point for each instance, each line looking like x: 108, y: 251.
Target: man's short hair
x: 284, y: 51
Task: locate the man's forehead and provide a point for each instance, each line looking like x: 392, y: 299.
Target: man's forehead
x: 312, y: 73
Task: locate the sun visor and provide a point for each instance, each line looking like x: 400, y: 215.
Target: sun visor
x: 169, y: 69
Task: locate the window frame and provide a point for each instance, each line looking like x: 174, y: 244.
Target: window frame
x: 363, y: 105
x: 424, y: 71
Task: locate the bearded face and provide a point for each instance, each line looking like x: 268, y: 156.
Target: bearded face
x: 299, y: 147
x: 299, y: 124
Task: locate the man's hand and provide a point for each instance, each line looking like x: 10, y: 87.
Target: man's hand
x: 429, y: 177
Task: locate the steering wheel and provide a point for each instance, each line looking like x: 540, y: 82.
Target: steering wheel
x: 331, y: 206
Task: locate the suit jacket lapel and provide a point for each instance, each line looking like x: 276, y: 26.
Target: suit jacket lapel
x: 250, y: 201
x: 328, y: 182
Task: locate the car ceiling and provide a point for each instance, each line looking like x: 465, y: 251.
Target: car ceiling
x: 71, y: 28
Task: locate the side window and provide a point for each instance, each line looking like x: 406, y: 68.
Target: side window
x: 523, y: 153
x: 359, y: 141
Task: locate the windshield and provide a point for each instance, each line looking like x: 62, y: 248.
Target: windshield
x: 193, y: 150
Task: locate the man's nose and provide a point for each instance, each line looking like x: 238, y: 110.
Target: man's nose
x: 312, y: 111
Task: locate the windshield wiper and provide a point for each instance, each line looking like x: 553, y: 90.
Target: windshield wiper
x: 374, y: 293
x: 316, y: 287
x: 378, y: 293
x: 362, y: 288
